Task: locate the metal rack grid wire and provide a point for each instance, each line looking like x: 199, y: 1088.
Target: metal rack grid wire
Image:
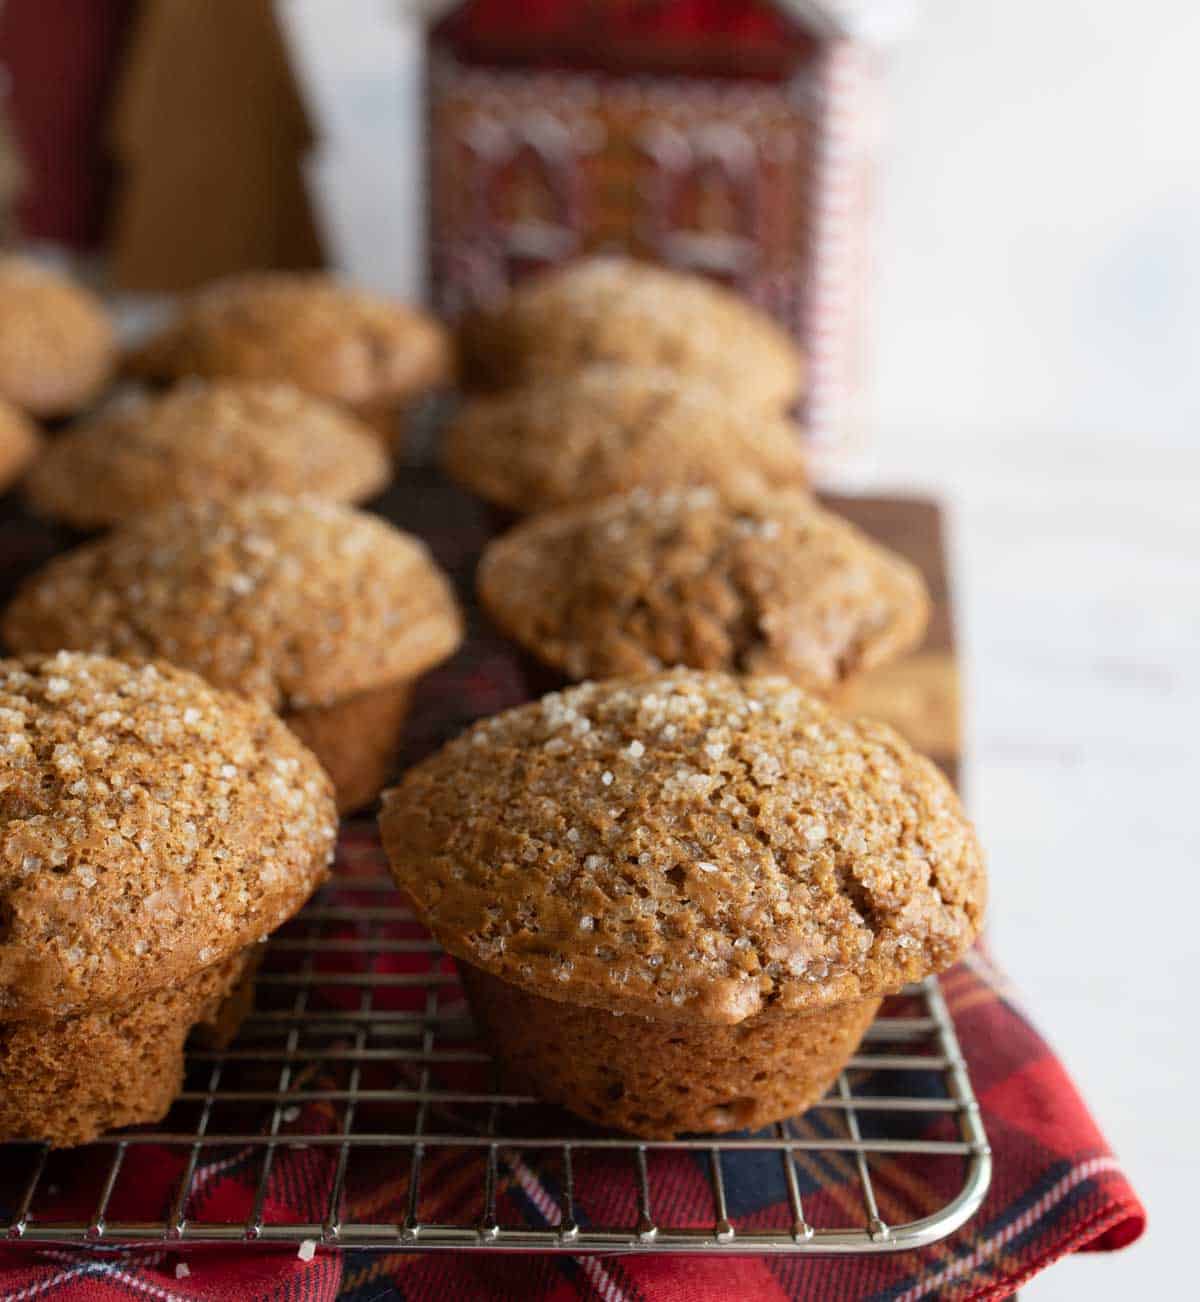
x: 356, y: 1108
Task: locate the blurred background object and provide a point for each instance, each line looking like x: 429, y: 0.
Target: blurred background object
x: 359, y: 64
x: 726, y: 138
x: 171, y: 134
x: 211, y: 134
x: 66, y: 55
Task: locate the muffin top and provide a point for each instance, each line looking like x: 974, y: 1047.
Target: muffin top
x: 149, y: 826
x: 614, y: 309
x: 297, y: 600
x: 610, y: 428
x: 321, y: 336
x: 57, y: 345
x: 633, y: 583
x: 19, y: 443
x: 205, y: 440
x: 688, y: 846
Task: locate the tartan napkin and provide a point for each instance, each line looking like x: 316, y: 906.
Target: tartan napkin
x: 1056, y: 1188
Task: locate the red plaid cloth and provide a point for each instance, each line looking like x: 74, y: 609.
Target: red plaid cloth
x: 1056, y: 1188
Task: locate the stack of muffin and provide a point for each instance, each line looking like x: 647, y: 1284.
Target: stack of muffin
x: 677, y: 891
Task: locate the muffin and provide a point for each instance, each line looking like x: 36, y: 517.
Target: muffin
x: 57, y: 344
x: 205, y: 440
x: 154, y: 831
x: 326, y: 613
x: 609, y: 428
x: 19, y: 444
x: 372, y: 355
x: 612, y: 309
x: 637, y: 582
x: 677, y: 901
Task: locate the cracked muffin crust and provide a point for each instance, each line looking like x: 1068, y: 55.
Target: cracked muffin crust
x: 688, y: 846
x: 328, y: 339
x: 19, y: 444
x: 607, y: 429
x: 645, y: 580
x: 613, y: 309
x: 205, y: 440
x: 150, y: 827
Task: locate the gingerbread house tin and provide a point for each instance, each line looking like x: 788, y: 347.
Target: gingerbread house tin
x: 726, y: 137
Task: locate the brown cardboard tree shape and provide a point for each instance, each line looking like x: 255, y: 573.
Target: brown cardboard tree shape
x: 211, y: 132
x: 13, y: 176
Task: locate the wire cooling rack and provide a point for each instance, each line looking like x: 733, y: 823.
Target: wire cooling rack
x: 355, y: 1108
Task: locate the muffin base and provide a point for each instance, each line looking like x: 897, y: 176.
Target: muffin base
x: 68, y: 1081
x: 658, y: 1079
x: 356, y: 739
x: 219, y: 1028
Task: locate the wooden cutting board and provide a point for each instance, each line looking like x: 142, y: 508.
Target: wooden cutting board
x: 919, y: 695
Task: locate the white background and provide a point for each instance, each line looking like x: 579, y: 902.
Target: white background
x: 1037, y: 350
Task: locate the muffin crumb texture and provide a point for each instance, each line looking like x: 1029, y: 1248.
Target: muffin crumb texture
x: 149, y: 828
x: 299, y: 601
x: 688, y: 846
x: 638, y: 582
x: 606, y: 429
x: 133, y: 1056
x: 201, y: 441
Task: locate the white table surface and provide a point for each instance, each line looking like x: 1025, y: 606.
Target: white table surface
x: 1037, y: 358
x: 1079, y: 600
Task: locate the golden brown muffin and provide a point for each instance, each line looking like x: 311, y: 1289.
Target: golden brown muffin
x: 645, y: 580
x: 66, y: 1081
x: 154, y: 829
x: 205, y: 440
x: 607, y: 429
x: 658, y: 1080
x: 57, y: 344
x: 302, y: 602
x: 687, y: 857
x: 19, y: 444
x: 612, y: 309
x: 366, y: 352
x: 356, y: 738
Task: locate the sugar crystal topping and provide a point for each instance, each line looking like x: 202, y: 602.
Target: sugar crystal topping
x: 143, y: 815
x: 814, y: 859
x: 297, y: 600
